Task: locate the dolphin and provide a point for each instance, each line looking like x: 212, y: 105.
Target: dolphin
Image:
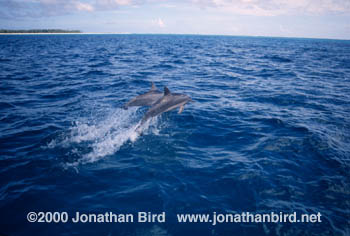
x: 168, y: 102
x: 146, y: 99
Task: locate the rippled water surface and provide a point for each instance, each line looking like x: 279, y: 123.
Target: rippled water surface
x: 269, y: 131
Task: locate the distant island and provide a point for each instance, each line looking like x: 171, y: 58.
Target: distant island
x: 38, y: 31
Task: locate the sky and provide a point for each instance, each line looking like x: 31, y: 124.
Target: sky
x: 280, y: 18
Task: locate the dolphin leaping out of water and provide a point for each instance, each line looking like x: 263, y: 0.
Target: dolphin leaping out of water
x: 146, y: 99
x: 168, y: 102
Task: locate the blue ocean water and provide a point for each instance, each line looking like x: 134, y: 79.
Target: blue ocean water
x: 269, y: 131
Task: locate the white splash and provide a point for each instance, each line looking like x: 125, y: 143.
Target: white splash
x: 105, y: 137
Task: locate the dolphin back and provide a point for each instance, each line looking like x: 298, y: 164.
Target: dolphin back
x: 146, y: 99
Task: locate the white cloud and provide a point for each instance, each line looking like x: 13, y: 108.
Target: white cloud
x: 123, y: 2
x: 160, y: 23
x: 117, y: 4
x: 276, y: 7
x: 113, y: 3
x: 285, y: 31
x: 83, y: 6
x: 38, y: 8
x: 59, y: 7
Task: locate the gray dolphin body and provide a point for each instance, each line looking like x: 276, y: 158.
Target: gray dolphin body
x: 166, y: 103
x: 147, y: 99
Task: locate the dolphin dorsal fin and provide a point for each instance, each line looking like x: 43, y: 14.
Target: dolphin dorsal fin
x: 153, y: 87
x: 166, y: 91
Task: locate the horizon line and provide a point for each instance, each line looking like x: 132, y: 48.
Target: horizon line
x: 194, y: 34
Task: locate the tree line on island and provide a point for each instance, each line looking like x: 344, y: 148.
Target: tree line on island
x: 33, y: 31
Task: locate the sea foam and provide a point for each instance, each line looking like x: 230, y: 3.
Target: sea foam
x: 106, y: 136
